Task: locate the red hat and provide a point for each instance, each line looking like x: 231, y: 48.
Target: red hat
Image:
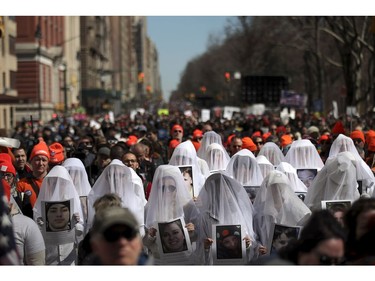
x: 356, y: 134
x: 131, y: 140
x: 371, y: 145
x: 256, y: 134
x: 6, y: 164
x: 56, y: 151
x: 248, y: 143
x: 285, y: 140
x: 369, y: 135
x: 177, y: 127
x: 196, y: 144
x: 173, y: 143
x: 197, y: 134
x: 40, y: 149
x: 338, y: 128
x: 265, y: 136
x: 281, y: 129
x: 229, y: 139
x: 323, y: 138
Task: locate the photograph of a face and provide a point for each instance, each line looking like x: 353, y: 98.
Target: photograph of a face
x: 58, y: 216
x: 229, y: 246
x: 252, y: 192
x: 173, y: 240
x: 282, y: 235
x: 307, y: 175
x: 187, y: 173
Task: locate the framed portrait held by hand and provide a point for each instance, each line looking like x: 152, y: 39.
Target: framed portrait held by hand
x: 228, y: 246
x: 282, y: 235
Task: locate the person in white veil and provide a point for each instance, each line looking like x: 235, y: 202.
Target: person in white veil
x: 265, y: 165
x: 223, y: 200
x: 244, y: 167
x: 336, y: 181
x: 364, y: 173
x: 185, y: 154
x: 209, y: 138
x: 296, y: 184
x: 119, y: 179
x: 169, y: 199
x: 272, y: 152
x: 61, y: 246
x: 276, y: 202
x: 216, y: 157
x: 81, y: 182
x: 302, y: 154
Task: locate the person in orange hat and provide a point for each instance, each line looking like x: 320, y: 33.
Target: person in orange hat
x: 285, y: 143
x: 57, y: 154
x: 358, y: 138
x: 177, y: 132
x: 197, y: 138
x: 235, y: 145
x: 247, y: 143
x: 29, y: 187
x: 172, y: 145
x: 132, y: 139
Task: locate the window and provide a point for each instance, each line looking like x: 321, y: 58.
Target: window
x: 12, y: 45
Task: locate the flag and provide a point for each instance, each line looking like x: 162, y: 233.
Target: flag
x: 8, y: 252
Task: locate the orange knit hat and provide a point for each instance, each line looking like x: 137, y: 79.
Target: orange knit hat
x: 248, y: 143
x: 177, y: 127
x: 265, y: 136
x: 173, y: 143
x: 357, y: 135
x: 371, y: 145
x: 6, y: 164
x: 370, y: 134
x: 131, y: 140
x: 338, y: 128
x: 56, y: 151
x: 40, y: 149
x: 285, y: 140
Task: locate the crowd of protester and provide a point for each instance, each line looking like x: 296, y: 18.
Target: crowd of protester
x: 118, y: 180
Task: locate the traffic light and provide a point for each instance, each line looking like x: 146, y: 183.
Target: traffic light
x: 203, y: 89
x: 227, y: 76
x: 2, y: 28
x: 148, y: 89
x: 141, y: 77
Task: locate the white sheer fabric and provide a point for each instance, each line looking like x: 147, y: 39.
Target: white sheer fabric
x: 336, y: 181
x: 185, y: 154
x: 217, y: 157
x: 58, y: 186
x: 223, y: 200
x: 78, y: 174
x: 276, y: 202
x: 364, y: 173
x: 296, y: 184
x: 244, y: 167
x: 209, y: 138
x: 272, y: 152
x: 120, y: 179
x: 265, y: 166
x: 304, y: 155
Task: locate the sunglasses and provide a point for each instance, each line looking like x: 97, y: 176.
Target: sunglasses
x: 113, y: 234
x: 258, y: 142
x: 327, y: 260
x: 357, y: 141
x: 177, y: 131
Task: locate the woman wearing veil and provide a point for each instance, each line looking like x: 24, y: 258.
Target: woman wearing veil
x: 265, y: 165
x: 223, y: 200
x: 58, y: 187
x: 364, y: 173
x: 123, y: 181
x: 216, y: 157
x: 276, y: 202
x: 186, y: 155
x: 336, y: 181
x: 302, y: 154
x: 272, y: 152
x: 296, y: 184
x: 209, y: 138
x: 169, y: 199
x: 81, y: 182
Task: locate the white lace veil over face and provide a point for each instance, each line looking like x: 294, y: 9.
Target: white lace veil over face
x: 118, y: 178
x: 336, y: 181
x: 276, y: 202
x: 169, y: 198
x: 343, y: 143
x: 304, y: 155
x: 272, y: 152
x: 185, y: 154
x: 225, y: 201
x: 78, y: 174
x: 217, y: 157
x: 265, y: 166
x: 58, y: 186
x: 245, y: 169
x: 291, y: 173
x: 208, y: 138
